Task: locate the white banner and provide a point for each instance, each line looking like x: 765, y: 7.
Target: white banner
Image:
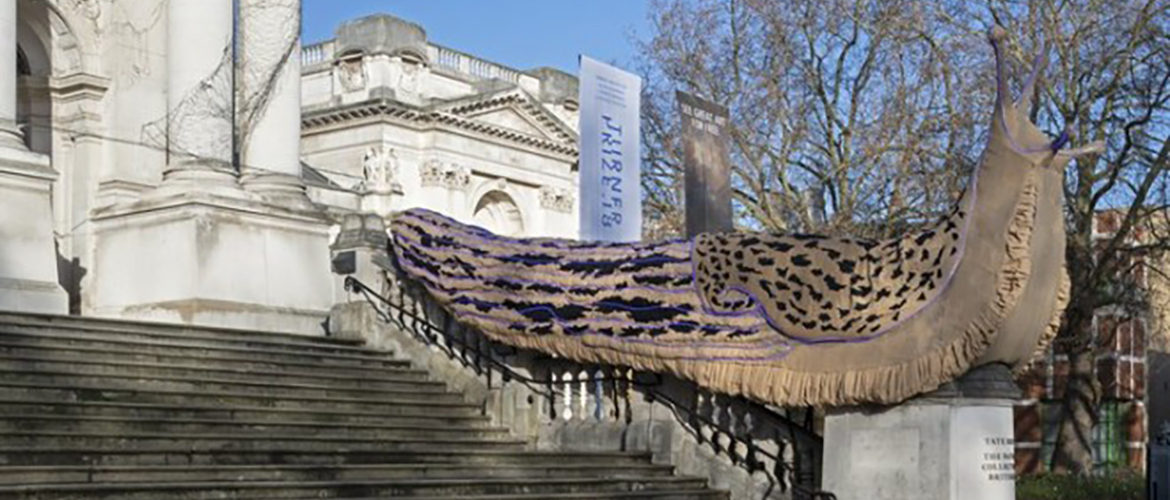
x: 610, y: 162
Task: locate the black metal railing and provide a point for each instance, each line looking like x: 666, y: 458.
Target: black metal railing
x: 732, y: 426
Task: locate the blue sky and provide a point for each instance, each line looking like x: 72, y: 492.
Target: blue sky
x: 519, y: 33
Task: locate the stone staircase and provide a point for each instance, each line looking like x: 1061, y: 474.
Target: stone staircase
x: 105, y: 409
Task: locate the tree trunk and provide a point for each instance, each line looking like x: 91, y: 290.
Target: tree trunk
x: 1078, y: 415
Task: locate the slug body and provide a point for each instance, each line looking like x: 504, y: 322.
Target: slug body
x: 783, y: 319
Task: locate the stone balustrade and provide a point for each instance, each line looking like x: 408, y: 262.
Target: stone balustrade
x: 317, y: 53
x: 458, y: 62
x: 440, y: 57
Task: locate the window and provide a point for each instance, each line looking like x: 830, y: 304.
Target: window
x: 1109, y: 439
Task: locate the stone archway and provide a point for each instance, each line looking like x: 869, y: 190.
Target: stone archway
x: 497, y: 212
x: 58, y: 119
x: 34, y: 101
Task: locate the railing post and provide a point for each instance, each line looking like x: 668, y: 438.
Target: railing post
x: 582, y: 394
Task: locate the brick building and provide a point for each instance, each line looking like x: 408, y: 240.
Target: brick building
x: 1127, y: 342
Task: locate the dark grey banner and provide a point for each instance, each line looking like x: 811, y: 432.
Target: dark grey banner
x: 707, y: 167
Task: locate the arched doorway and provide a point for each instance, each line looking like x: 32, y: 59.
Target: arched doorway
x: 498, y: 213
x: 34, y: 100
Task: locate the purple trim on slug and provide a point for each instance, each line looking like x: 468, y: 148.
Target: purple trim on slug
x: 553, y: 312
x: 569, y: 244
x: 1047, y: 148
x: 459, y: 296
x: 678, y: 291
x: 747, y: 345
x: 1060, y: 142
x: 750, y: 329
x: 464, y: 249
x: 762, y: 311
x: 496, y: 252
x: 643, y: 260
x: 1051, y: 147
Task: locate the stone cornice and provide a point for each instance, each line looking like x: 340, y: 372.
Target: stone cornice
x: 423, y: 118
x: 80, y: 84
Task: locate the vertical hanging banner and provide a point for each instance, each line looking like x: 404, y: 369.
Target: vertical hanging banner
x: 707, y: 168
x: 610, y: 146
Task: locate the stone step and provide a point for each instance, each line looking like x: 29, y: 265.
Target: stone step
x: 83, y: 390
x: 14, y: 475
x: 55, y: 362
x: 343, y: 489
x: 105, y: 409
x: 178, y: 454
x: 160, y: 330
x: 213, y: 361
x: 81, y: 409
x: 693, y: 494
x: 123, y: 425
x: 250, y: 441
x: 20, y: 336
x: 225, y: 343
x: 10, y: 375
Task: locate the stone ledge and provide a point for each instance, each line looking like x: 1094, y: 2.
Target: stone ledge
x: 224, y: 314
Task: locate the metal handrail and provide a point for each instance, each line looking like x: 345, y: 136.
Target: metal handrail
x: 507, y: 373
x: 805, y: 481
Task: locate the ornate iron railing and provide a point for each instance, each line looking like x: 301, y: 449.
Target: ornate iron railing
x: 753, y: 436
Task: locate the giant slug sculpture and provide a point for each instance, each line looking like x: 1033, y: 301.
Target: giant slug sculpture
x: 785, y: 319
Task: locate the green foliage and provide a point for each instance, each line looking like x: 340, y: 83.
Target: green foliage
x: 1122, y: 485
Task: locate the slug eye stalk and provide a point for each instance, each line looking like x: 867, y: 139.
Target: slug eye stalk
x: 1012, y: 115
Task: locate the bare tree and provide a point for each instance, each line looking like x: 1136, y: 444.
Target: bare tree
x: 864, y: 116
x: 845, y: 113
x: 1110, y: 80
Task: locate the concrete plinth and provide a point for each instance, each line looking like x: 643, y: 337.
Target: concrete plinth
x: 206, y: 259
x: 954, y: 444
x: 28, y: 257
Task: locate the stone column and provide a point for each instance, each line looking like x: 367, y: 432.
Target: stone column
x: 208, y: 255
x: 199, y: 93
x: 270, y: 99
x: 10, y: 136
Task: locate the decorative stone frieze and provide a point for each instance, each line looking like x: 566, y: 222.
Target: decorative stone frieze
x: 558, y: 199
x: 436, y: 173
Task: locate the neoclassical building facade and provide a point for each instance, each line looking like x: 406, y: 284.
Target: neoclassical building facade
x: 157, y: 164
x: 471, y: 138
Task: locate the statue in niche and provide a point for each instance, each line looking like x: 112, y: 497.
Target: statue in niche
x: 380, y: 171
x: 791, y: 320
